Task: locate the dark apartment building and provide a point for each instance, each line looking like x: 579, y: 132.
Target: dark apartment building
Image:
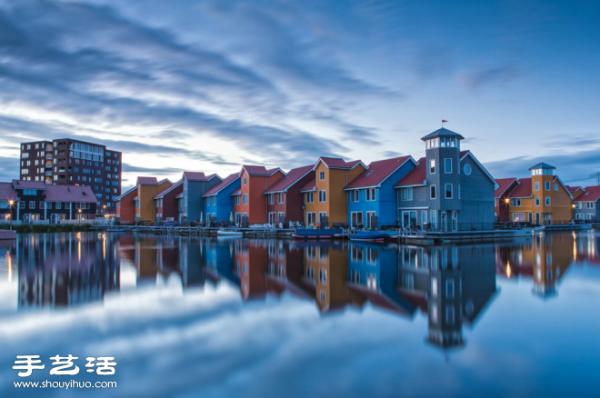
x: 66, y: 161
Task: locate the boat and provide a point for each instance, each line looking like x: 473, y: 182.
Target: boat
x: 371, y: 236
x: 116, y: 230
x: 229, y: 233
x: 310, y: 233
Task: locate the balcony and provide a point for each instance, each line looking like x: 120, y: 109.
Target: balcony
x: 49, y: 157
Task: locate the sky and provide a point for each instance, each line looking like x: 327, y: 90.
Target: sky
x: 210, y: 85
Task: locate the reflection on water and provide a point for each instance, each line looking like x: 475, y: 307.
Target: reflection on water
x: 450, y: 285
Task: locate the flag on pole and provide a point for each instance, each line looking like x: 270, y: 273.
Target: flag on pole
x: 444, y: 121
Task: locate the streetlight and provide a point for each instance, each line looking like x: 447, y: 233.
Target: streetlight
x: 10, y: 205
x: 79, y: 211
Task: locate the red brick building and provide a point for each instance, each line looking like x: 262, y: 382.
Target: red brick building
x: 125, y: 205
x: 167, y: 204
x: 284, y: 199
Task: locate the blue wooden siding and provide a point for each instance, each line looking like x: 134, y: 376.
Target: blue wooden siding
x: 223, y: 206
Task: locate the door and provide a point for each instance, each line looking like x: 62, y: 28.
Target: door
x: 537, y: 218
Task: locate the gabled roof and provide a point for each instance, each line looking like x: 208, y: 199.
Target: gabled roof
x: 442, y: 133
x: 222, y: 185
x: 557, y: 179
x: 22, y: 184
x: 542, y: 165
x: 574, y: 189
x: 378, y: 172
x: 338, y: 163
x: 310, y: 187
x: 7, y: 192
x: 522, y: 190
x: 237, y: 192
x: 416, y: 176
x: 170, y: 189
x: 118, y: 198
x: 147, y: 181
x: 293, y: 176
x: 260, y: 170
x: 591, y: 194
x: 503, y: 185
x: 198, y: 176
x: 465, y: 154
x: 70, y: 193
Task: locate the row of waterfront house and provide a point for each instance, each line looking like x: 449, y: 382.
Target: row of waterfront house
x: 448, y: 189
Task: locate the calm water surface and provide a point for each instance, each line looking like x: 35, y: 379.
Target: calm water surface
x: 201, y: 317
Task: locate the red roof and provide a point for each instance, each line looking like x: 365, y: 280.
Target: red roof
x: 464, y: 153
x: 217, y: 188
x: 290, y: 179
x: 377, y: 172
x: 128, y: 192
x: 237, y: 192
x: 69, y: 193
x: 21, y: 184
x: 591, y: 194
x: 573, y: 189
x: 339, y: 163
x: 416, y: 176
x: 523, y: 190
x: 7, y: 192
x: 311, y: 186
x: 147, y: 181
x: 170, y: 189
x: 260, y: 170
x: 503, y: 185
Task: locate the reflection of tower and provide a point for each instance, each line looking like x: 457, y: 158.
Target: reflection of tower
x: 552, y: 258
x: 452, y: 284
x: 56, y: 270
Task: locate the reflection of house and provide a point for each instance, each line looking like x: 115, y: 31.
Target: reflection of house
x: 251, y: 267
x: 452, y: 284
x: 449, y: 190
x: 371, y: 195
x: 218, y: 259
x: 545, y: 260
x: 586, y: 204
x: 285, y: 270
x: 74, y: 271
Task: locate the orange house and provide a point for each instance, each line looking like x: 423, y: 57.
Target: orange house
x: 325, y: 200
x: 147, y: 189
x: 542, y: 199
x: 250, y: 204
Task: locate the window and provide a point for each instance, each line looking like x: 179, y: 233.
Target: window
x: 281, y: 197
x: 32, y: 204
x: 42, y: 204
x: 245, y: 199
x: 516, y: 202
x: 321, y: 176
x: 407, y: 193
x: 311, y: 218
x: 29, y: 192
x: 556, y: 187
x: 370, y: 194
x: 310, y: 197
x: 432, y: 192
x: 271, y: 201
x: 537, y: 201
x: 537, y: 186
x: 450, y: 288
x: 547, y: 185
x: 322, y: 296
x: 322, y: 275
x: 448, y: 190
x: 354, y: 196
x: 448, y: 165
x: 450, y: 315
x: 322, y: 196
x: 245, y: 181
x: 58, y: 205
x: 237, y: 200
x: 432, y: 166
x: 547, y: 200
x: 21, y: 205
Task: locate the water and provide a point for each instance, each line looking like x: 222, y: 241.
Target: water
x: 200, y: 317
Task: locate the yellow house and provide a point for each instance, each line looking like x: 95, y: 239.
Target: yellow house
x: 542, y: 199
x: 325, y: 200
x: 148, y: 188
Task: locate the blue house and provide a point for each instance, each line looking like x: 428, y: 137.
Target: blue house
x: 372, y: 199
x: 218, y: 201
x: 191, y: 205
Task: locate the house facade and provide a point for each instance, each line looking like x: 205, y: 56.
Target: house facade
x: 541, y: 199
x: 30, y: 201
x: 449, y: 190
x: 284, y: 199
x: 125, y: 206
x: 195, y: 184
x: 325, y: 200
x: 167, y: 209
x: 251, y: 205
x: 502, y: 202
x: 147, y: 189
x: 218, y: 201
x: 371, y: 196
x: 585, y: 206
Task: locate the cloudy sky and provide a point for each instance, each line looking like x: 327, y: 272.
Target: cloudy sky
x: 209, y: 85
